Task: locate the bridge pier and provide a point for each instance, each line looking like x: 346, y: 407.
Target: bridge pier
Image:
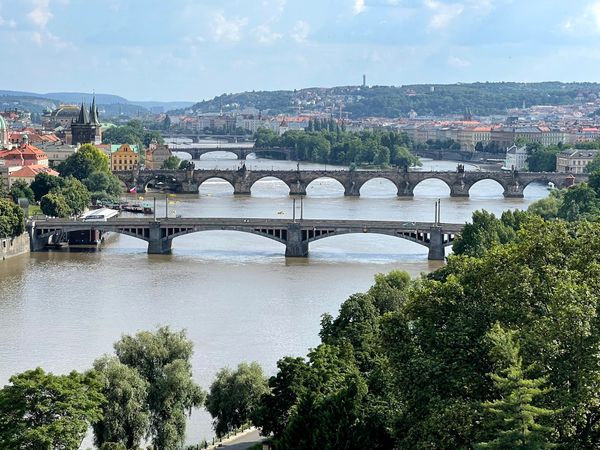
x: 241, y: 188
x: 436, y: 245
x: 36, y: 244
x: 405, y: 190
x: 297, y: 188
x: 351, y: 189
x: 157, y: 245
x: 515, y: 191
x: 295, y: 246
x: 459, y: 190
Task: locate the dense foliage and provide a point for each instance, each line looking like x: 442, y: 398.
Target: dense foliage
x: 492, y: 351
x: 234, y: 396
x: 330, y: 144
x: 163, y: 360
x: 11, y: 219
x: 21, y: 189
x: 395, y: 101
x: 133, y: 133
x: 69, y: 199
x: 40, y: 410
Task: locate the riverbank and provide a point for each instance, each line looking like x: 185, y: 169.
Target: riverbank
x: 14, y: 246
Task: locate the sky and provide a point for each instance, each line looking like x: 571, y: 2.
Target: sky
x: 196, y: 49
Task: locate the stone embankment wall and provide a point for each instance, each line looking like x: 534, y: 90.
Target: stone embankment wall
x: 14, y: 246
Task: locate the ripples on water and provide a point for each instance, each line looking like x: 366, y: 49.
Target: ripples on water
x: 237, y: 295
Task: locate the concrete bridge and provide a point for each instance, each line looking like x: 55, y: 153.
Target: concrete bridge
x: 459, y: 182
x: 239, y: 150
x: 199, y: 137
x: 294, y: 234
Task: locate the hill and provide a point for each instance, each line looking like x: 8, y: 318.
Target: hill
x: 397, y: 101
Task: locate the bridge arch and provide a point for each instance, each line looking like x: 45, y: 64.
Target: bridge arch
x: 227, y: 187
x: 421, y: 238
x: 163, y: 182
x: 105, y: 228
x: 269, y: 151
x: 277, y: 235
x: 388, y: 185
x: 496, y: 187
x: 430, y: 184
x: 315, y: 186
x: 218, y: 150
x: 281, y: 184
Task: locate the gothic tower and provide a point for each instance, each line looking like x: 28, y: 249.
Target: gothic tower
x: 86, y: 129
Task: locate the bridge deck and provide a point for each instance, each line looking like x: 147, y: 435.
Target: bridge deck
x: 234, y: 221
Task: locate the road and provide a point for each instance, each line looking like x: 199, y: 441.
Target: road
x: 243, y: 442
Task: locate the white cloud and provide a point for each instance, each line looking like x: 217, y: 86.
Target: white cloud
x: 40, y: 15
x: 300, y: 31
x: 264, y: 35
x: 358, y: 7
x: 461, y: 63
x: 227, y: 30
x: 588, y: 20
x: 443, y: 14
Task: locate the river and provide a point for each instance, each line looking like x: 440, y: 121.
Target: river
x: 236, y: 294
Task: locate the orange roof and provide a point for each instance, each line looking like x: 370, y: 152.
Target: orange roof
x: 29, y: 149
x: 32, y: 171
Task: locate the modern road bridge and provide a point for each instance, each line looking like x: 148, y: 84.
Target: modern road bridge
x: 294, y: 234
x: 459, y: 182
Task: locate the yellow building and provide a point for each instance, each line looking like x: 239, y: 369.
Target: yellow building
x: 125, y: 158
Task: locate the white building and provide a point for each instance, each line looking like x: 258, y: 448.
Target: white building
x: 516, y: 158
x: 574, y: 161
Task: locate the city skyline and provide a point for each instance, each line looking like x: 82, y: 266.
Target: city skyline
x: 186, y: 50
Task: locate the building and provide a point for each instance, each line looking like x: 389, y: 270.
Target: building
x: 28, y: 173
x: 63, y: 116
x: 4, y: 133
x: 24, y: 155
x: 156, y: 156
x: 574, y: 161
x: 516, y: 158
x: 57, y: 152
x: 125, y: 158
x: 86, y: 129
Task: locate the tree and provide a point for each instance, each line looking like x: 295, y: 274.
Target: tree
x: 125, y: 416
x: 12, y: 222
x: 87, y: 160
x: 485, y: 231
x: 187, y: 165
x: 54, y: 204
x: 39, y: 410
x: 579, y: 202
x: 153, y: 135
x: 75, y: 194
x: 44, y: 183
x: 513, y: 421
x: 166, y: 123
x: 21, y: 189
x: 163, y: 359
x: 234, y: 396
x: 171, y: 163
x: 390, y: 290
x: 103, y: 185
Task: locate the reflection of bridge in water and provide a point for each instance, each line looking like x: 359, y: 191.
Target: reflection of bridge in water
x: 459, y: 182
x: 294, y: 234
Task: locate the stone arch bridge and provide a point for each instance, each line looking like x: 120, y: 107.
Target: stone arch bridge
x: 295, y: 235
x: 513, y: 183
x: 241, y: 151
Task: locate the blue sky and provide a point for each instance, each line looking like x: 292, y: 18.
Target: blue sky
x: 196, y: 49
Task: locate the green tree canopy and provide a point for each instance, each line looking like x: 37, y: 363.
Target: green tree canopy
x: 163, y: 359
x: 87, y: 160
x: 171, y: 163
x: 125, y: 416
x: 21, y: 189
x: 39, y: 410
x: 234, y: 396
x: 44, y: 183
x: 12, y: 221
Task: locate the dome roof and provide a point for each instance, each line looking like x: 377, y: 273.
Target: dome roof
x: 66, y: 111
x: 3, y: 125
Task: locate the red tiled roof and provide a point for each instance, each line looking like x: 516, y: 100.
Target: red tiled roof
x: 32, y: 171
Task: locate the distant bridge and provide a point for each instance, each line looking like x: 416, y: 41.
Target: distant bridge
x: 294, y: 234
x: 459, y: 182
x: 199, y: 137
x: 240, y: 150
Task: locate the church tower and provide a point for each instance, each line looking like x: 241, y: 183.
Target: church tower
x: 86, y: 129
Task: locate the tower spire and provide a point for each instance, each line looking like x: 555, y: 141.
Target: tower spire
x: 94, y: 112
